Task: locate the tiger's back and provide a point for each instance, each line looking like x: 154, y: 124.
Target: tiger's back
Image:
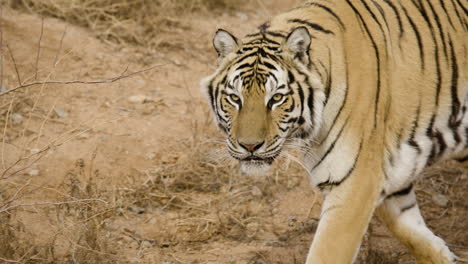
x: 382, y: 88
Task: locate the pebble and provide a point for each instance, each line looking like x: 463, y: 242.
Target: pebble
x: 138, y: 99
x: 33, y: 172
x: 83, y: 136
x: 60, y: 112
x: 256, y: 191
x: 146, y: 244
x: 150, y: 155
x: 242, y: 16
x: 17, y: 118
x: 136, y: 209
x: 440, y: 199
x: 34, y: 150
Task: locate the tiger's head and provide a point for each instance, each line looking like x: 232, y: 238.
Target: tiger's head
x: 263, y: 93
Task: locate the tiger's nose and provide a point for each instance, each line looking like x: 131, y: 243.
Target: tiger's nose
x: 251, y: 147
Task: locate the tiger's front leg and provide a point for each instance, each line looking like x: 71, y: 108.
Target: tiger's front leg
x: 400, y: 212
x: 346, y: 213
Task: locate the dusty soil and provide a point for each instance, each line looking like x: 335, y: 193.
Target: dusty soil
x: 132, y: 171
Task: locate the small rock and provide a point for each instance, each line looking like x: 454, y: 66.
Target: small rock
x: 256, y: 191
x: 33, y: 172
x: 136, y: 209
x: 83, y: 136
x: 166, y: 262
x: 242, y: 16
x: 146, y: 244
x: 60, y: 112
x: 150, y: 155
x: 34, y: 150
x: 440, y: 199
x: 17, y: 118
x: 138, y: 99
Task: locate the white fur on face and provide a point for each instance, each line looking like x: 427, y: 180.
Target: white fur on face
x: 254, y: 168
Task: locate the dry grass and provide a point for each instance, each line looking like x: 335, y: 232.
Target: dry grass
x: 126, y: 22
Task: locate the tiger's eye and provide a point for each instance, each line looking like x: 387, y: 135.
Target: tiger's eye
x: 234, y: 97
x: 277, y: 97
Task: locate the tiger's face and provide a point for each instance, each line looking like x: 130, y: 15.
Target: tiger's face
x: 263, y: 94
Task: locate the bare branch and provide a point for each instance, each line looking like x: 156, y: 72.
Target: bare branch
x: 39, y: 47
x: 8, y: 113
x: 14, y: 63
x: 111, y: 80
x: 60, y: 46
x: 51, y: 203
x: 9, y: 260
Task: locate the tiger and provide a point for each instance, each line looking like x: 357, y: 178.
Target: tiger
x: 372, y: 91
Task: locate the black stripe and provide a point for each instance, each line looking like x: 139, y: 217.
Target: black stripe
x: 417, y: 4
x: 439, y: 26
x: 245, y: 65
x: 269, y: 41
x: 283, y: 129
x: 269, y: 65
x: 442, y: 4
x: 290, y: 109
x: 288, y: 121
x: 453, y: 123
x: 291, y: 78
x: 418, y: 39
x: 210, y: 94
x: 332, y: 146
x: 441, y: 141
x: 462, y: 159
x: 377, y: 55
x: 401, y: 30
x: 382, y: 13
x: 256, y: 34
x: 311, y: 25
x: 301, y: 97
x: 411, y: 140
x: 330, y: 12
x: 334, y: 184
x: 405, y: 191
x: 276, y: 34
x: 339, y: 110
x: 406, y: 208
x: 375, y: 19
x: 436, y: 57
x: 310, y: 104
x: 458, y: 14
x: 216, y: 95
x: 329, y: 78
x: 463, y: 7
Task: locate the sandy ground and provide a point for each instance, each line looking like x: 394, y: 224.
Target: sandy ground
x: 131, y: 171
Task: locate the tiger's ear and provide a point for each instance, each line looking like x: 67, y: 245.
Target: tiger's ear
x: 224, y: 43
x: 298, y: 42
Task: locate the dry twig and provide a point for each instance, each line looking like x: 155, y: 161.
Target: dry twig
x: 110, y: 80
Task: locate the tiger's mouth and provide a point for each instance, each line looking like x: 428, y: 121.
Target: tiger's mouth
x: 253, y: 158
x: 255, y: 165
